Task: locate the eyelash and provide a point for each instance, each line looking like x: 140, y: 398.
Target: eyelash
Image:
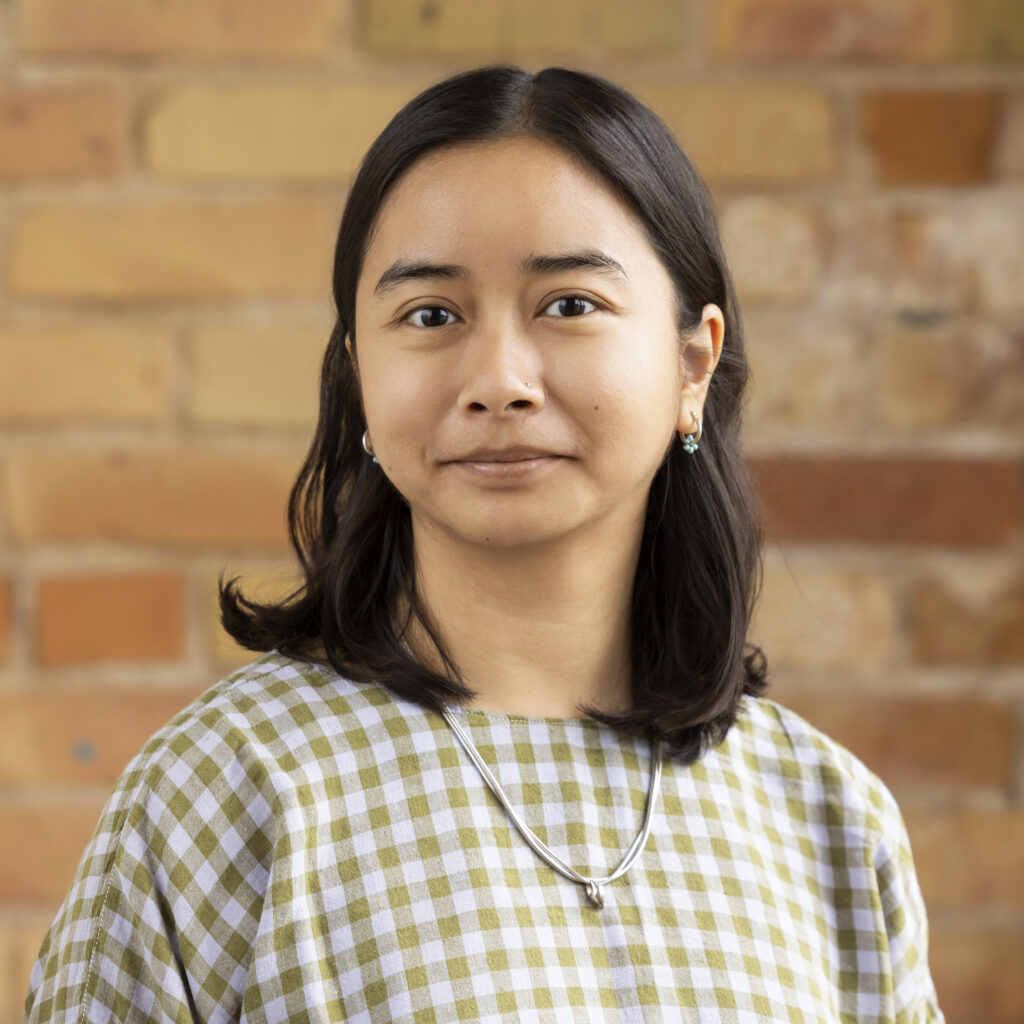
x: 561, y: 298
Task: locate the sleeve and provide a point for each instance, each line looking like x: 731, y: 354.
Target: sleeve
x: 161, y: 917
x: 906, y: 924
x: 111, y: 952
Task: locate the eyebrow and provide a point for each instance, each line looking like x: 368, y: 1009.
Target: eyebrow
x: 586, y: 259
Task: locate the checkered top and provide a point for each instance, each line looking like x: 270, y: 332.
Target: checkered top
x: 294, y: 847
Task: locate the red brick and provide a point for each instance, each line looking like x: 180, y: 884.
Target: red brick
x: 918, y: 740
x: 950, y: 626
x: 974, y: 973
x: 110, y: 618
x: 62, y: 133
x: 6, y: 617
x: 201, y: 496
x: 959, y: 503
x: 845, y: 29
x: 968, y: 859
x: 39, y: 865
x: 197, y: 28
x: 79, y: 737
x: 942, y: 138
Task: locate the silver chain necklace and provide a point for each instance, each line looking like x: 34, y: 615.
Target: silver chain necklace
x: 594, y: 887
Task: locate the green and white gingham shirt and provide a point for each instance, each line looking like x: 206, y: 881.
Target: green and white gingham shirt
x: 296, y: 848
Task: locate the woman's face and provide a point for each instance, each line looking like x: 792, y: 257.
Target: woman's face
x: 521, y: 371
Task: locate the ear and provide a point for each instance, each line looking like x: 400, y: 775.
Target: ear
x: 700, y: 355
x: 351, y: 355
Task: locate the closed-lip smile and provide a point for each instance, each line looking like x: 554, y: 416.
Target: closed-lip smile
x: 504, y: 455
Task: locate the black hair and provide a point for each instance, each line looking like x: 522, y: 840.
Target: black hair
x: 699, y: 569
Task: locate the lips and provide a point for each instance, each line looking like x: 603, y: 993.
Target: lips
x: 504, y: 455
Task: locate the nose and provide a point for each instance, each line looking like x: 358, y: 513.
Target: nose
x: 501, y: 373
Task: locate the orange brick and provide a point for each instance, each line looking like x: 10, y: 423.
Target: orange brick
x: 843, y: 29
x: 818, y: 616
x: 268, y: 248
x: 967, y: 859
x: 6, y: 617
x: 256, y: 375
x: 195, y: 496
x: 959, y: 503
x: 962, y: 618
x: 198, y: 28
x: 75, y: 737
x: 917, y: 740
x: 760, y: 133
x: 974, y: 973
x: 51, y: 836
x: 62, y: 133
x: 53, y: 372
x: 930, y: 137
x: 110, y: 618
x: 268, y: 131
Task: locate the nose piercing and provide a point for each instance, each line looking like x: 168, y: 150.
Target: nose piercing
x: 527, y: 384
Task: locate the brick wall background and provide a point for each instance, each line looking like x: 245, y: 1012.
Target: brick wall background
x: 171, y: 178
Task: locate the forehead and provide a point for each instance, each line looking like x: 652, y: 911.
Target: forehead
x: 514, y: 194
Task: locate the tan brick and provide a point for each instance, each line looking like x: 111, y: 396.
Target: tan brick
x: 910, y: 741
x: 270, y: 584
x: 311, y: 131
x: 493, y: 27
x: 964, y: 375
x: 988, y: 30
x: 972, y: 966
x: 843, y: 29
x: 6, y: 617
x: 954, y: 502
x: 51, y: 837
x: 53, y: 372
x: 962, y: 257
x: 198, y: 496
x: 930, y: 137
x: 1008, y: 161
x: 808, y: 378
x: 62, y: 133
x: 968, y: 617
x: 773, y: 247
x: 270, y: 248
x: 110, y: 618
x: 197, y: 28
x: 750, y: 133
x: 80, y: 737
x: 825, y: 617
x: 968, y: 859
x: 258, y: 375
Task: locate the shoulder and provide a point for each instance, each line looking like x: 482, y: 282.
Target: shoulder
x: 269, y: 720
x: 784, y: 753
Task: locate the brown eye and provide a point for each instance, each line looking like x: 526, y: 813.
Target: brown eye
x: 570, y: 306
x: 431, y: 316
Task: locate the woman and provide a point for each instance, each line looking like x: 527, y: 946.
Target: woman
x: 506, y: 757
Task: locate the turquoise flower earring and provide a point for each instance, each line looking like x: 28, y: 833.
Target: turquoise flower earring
x: 691, y: 441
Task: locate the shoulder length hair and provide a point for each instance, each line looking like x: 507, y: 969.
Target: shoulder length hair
x: 699, y: 565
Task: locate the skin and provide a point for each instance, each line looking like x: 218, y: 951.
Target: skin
x: 523, y: 412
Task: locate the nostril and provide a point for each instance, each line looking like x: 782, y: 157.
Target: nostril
x: 520, y: 403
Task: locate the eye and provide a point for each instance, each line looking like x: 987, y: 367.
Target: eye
x: 570, y: 306
x: 429, y: 316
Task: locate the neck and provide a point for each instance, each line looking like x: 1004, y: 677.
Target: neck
x: 537, y: 631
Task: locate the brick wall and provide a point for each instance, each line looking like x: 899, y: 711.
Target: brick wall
x: 171, y: 178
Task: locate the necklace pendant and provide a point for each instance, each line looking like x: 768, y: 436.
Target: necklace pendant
x: 595, y: 893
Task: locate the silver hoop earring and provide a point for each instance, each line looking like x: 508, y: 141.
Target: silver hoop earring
x: 692, y: 441
x: 368, y: 449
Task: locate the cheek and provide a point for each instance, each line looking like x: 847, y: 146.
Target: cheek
x: 400, y: 402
